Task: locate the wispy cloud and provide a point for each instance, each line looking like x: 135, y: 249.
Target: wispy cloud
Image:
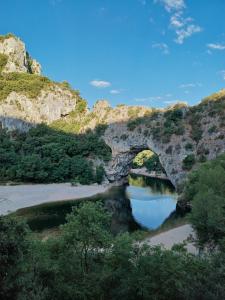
x: 173, y: 102
x: 149, y: 99
x: 100, y: 83
x: 216, y: 46
x: 186, y: 32
x: 154, y: 98
x: 162, y: 46
x: 172, y: 5
x: 223, y: 74
x: 190, y: 85
x: 184, y: 27
x: 115, y: 92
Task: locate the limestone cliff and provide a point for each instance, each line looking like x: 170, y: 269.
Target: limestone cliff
x: 26, y: 97
x: 18, y: 59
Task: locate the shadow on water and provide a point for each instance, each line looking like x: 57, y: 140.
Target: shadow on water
x: 51, y: 215
x: 119, y: 201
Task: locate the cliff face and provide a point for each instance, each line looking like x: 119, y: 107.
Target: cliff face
x: 25, y: 95
x: 50, y: 105
x: 18, y: 58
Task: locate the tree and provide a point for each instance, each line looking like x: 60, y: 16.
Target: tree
x: 205, y: 190
x: 13, y: 246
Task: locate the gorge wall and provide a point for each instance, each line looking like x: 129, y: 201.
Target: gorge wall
x: 181, y: 136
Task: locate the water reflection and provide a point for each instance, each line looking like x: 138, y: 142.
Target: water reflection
x: 144, y: 202
x: 152, y: 200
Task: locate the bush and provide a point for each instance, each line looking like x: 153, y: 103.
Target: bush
x: 188, y: 162
x: 3, y: 61
x: 189, y: 147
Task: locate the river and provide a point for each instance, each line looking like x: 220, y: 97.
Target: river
x: 143, y: 203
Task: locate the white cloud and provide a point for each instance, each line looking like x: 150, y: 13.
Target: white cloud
x: 100, y: 83
x: 216, y: 46
x: 183, y: 27
x: 171, y: 5
x: 114, y: 92
x: 186, y: 32
x: 154, y: 98
x: 162, y: 46
x: 190, y: 85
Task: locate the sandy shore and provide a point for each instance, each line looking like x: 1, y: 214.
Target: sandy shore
x: 174, y: 236
x: 15, y: 197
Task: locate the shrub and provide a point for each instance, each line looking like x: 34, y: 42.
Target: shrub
x: 189, y: 147
x: 3, y: 61
x: 212, y: 129
x: 188, y: 162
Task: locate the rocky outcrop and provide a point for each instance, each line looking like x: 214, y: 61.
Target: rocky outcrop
x: 18, y: 58
x: 49, y: 106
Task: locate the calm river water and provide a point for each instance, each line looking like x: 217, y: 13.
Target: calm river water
x: 144, y: 203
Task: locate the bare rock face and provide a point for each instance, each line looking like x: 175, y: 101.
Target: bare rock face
x: 49, y: 106
x: 18, y: 58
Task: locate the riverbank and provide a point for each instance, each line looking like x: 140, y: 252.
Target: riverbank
x: 16, y: 197
x: 145, y: 172
x: 178, y: 235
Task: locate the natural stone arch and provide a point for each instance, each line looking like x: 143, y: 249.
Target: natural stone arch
x: 125, y: 145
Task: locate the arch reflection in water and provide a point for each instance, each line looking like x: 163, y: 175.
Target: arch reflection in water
x: 152, y: 200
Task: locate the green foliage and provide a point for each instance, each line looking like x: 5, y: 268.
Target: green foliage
x: 173, y: 123
x: 31, y: 85
x: 132, y: 124
x: 153, y: 164
x: 6, y: 36
x: 189, y: 146
x: 3, y: 61
x: 12, y: 249
x: 100, y: 173
x: 100, y: 129
x: 87, y: 262
x: 141, y: 158
x: 28, y: 84
x: 47, y: 155
x: 205, y: 190
x: 188, y: 162
x: 212, y: 129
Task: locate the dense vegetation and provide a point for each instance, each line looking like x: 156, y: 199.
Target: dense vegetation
x: 47, y: 155
x: 205, y: 191
x: 27, y: 84
x: 87, y: 262
x: 148, y: 159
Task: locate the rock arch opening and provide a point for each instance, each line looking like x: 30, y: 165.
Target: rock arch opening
x: 147, y: 163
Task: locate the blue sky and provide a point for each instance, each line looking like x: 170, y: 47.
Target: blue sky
x: 137, y: 52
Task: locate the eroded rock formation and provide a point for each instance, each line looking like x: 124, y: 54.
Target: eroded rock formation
x: 18, y: 58
x: 181, y: 136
